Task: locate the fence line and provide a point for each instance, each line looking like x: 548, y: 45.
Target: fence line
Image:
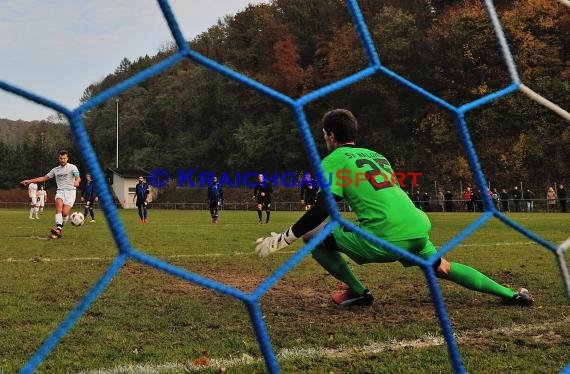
x: 276, y: 206
x: 538, y: 206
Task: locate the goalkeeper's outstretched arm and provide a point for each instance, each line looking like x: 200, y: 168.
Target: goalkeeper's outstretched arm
x: 309, y: 221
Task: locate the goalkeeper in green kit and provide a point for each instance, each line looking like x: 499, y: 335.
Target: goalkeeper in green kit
x: 382, y: 208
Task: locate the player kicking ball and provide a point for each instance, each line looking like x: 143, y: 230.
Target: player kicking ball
x: 382, y: 209
x: 67, y: 180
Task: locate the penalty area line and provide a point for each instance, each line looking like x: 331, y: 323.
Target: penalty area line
x: 236, y: 253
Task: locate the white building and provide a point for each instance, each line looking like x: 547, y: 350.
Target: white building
x: 123, y: 183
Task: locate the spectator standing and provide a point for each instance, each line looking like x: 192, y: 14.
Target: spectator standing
x: 441, y: 200
x: 474, y: 198
x: 468, y: 199
x: 517, y: 198
x: 495, y: 198
x: 479, y: 201
x: 561, y: 193
x: 550, y: 200
x: 448, y: 196
x: 504, y: 197
x: 529, y: 198
x: 425, y: 202
x: 418, y: 199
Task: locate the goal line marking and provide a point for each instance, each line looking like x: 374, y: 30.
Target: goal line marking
x: 426, y: 341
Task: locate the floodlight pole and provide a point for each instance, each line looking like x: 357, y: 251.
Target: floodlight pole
x: 42, y: 152
x: 117, y: 101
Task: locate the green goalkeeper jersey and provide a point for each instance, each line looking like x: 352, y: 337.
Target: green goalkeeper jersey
x: 366, y: 181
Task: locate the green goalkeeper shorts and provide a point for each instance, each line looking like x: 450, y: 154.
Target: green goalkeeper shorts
x: 362, y: 251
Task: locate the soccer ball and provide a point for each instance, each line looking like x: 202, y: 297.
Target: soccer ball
x: 76, y: 219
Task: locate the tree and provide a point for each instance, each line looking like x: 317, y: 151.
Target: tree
x: 286, y: 75
x: 199, y: 119
x: 124, y: 66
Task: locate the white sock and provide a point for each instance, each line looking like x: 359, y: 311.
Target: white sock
x: 59, y: 219
x: 31, y: 212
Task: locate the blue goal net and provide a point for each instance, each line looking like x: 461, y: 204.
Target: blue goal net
x: 297, y: 106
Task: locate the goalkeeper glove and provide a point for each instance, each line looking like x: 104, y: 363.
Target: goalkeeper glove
x: 265, y: 246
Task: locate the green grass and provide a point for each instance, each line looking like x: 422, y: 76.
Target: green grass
x: 149, y: 318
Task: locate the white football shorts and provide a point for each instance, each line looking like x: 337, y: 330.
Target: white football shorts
x: 68, y: 196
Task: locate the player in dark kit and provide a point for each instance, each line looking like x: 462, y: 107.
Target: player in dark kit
x: 382, y: 210
x: 308, y: 192
x: 215, y: 198
x: 141, y: 194
x: 262, y: 193
x: 89, y: 195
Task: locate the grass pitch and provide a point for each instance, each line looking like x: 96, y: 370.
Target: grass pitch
x: 148, y: 321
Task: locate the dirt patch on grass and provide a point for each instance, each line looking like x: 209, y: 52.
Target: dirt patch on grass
x: 307, y: 299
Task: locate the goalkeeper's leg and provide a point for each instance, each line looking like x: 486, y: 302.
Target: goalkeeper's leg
x: 328, y: 256
x: 458, y: 273
x: 333, y: 262
x: 472, y: 279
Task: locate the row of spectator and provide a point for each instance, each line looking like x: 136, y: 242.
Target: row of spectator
x: 515, y: 200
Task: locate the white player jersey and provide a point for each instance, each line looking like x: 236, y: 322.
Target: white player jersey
x: 42, y: 196
x: 64, y: 176
x: 33, y: 191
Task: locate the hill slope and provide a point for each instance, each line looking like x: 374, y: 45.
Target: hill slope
x: 13, y: 132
